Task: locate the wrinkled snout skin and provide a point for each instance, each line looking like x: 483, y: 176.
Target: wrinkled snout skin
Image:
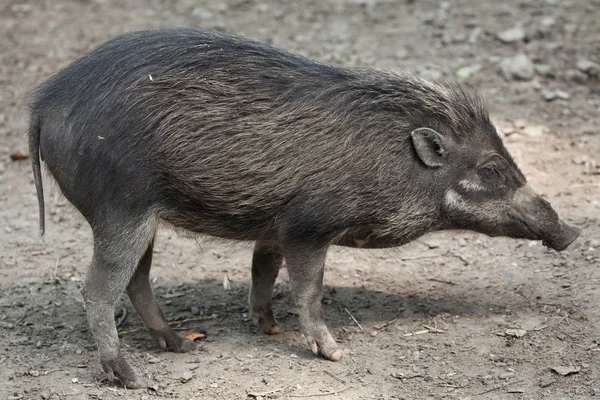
x: 535, y: 219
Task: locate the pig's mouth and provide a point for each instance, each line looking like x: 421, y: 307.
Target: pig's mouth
x: 558, y: 236
x: 567, y: 236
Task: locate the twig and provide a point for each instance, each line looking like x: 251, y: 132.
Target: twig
x: 416, y: 333
x: 320, y: 394
x: 442, y: 281
x: 499, y: 387
x: 385, y: 325
x: 40, y: 252
x: 334, y: 376
x: 354, y: 319
x: 52, y: 371
x: 339, y: 304
x: 566, y: 317
x: 55, y: 269
x: 263, y: 394
x: 419, y: 257
x: 463, y: 259
x: 449, y: 385
x: 431, y: 329
x: 183, y: 321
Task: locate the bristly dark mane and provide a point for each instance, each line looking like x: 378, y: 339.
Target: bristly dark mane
x: 456, y: 107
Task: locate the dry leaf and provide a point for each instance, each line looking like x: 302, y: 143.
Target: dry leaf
x: 195, y: 335
x: 18, y: 155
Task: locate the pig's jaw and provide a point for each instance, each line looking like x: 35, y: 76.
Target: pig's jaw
x: 524, y: 216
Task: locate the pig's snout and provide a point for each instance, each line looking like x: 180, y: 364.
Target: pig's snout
x: 567, y: 235
x: 539, y: 221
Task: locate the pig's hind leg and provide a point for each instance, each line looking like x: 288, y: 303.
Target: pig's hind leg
x: 266, y: 261
x: 142, y: 298
x: 120, y: 242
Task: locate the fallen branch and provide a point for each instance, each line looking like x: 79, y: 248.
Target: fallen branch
x: 442, y: 281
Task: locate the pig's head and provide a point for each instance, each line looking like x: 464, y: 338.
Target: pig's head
x: 482, y: 189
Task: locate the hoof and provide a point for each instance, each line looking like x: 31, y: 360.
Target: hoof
x: 138, y: 383
x: 267, y: 322
x: 329, y: 349
x: 171, y: 341
x: 118, y: 368
x: 187, y: 346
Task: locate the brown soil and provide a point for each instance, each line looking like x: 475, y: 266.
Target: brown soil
x: 433, y: 316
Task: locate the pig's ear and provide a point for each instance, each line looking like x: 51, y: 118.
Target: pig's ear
x: 429, y: 146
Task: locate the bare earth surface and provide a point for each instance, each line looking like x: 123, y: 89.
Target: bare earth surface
x: 433, y: 316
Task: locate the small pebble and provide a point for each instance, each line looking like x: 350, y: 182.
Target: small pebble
x: 519, y: 67
x: 545, y: 382
x: 589, y: 67
x: 515, y: 34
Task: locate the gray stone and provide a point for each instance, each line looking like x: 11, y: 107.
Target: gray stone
x: 515, y: 34
x: 589, y: 67
x: 576, y: 76
x: 518, y: 67
x: 557, y: 94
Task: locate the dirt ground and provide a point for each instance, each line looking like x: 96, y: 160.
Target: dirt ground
x: 431, y: 318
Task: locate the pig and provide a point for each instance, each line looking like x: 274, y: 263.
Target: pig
x: 220, y: 135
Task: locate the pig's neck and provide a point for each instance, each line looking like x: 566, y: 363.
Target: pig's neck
x: 396, y: 229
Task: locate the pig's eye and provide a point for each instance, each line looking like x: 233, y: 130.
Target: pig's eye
x: 490, y: 172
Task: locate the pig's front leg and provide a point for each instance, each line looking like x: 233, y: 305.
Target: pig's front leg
x: 305, y: 263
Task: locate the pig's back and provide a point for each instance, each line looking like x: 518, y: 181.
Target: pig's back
x: 209, y: 126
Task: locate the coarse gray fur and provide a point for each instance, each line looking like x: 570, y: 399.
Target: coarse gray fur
x: 225, y: 136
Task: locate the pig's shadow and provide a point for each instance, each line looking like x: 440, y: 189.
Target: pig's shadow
x: 229, y: 309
